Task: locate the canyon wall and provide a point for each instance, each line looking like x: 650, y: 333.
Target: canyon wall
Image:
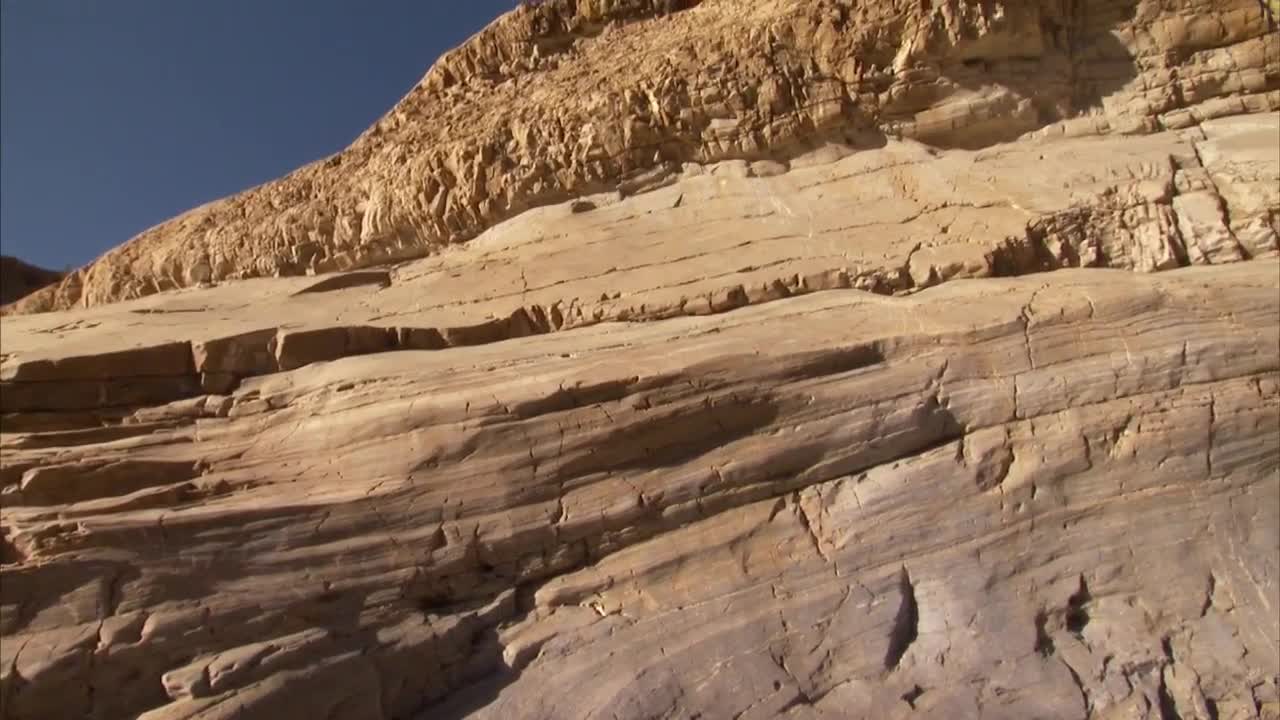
x: 789, y: 359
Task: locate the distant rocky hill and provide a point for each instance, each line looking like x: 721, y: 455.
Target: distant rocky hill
x: 19, y: 279
x: 727, y: 360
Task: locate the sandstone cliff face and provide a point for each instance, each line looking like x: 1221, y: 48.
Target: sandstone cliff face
x: 868, y: 414
x: 568, y: 97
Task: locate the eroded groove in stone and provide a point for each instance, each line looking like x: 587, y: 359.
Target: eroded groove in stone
x: 905, y: 624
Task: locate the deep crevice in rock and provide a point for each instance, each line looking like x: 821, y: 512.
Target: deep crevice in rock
x: 1044, y: 643
x: 905, y: 625
x: 912, y: 695
x: 1077, y: 616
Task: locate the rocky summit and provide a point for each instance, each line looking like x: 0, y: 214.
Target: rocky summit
x: 803, y: 359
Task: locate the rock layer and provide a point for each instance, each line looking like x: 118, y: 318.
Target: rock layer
x: 994, y: 498
x: 896, y: 220
x: 569, y: 97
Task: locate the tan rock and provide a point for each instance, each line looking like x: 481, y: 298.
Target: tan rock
x: 829, y: 404
x: 828, y: 492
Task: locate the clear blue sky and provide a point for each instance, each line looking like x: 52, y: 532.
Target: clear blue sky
x: 118, y: 114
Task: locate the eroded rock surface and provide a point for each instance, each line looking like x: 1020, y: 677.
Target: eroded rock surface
x: 932, y: 426
x: 1042, y: 496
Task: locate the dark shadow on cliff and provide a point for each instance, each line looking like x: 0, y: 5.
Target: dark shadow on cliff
x: 486, y: 675
x: 37, y: 589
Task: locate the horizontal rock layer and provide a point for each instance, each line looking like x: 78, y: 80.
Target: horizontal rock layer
x: 725, y: 236
x: 1045, y: 496
x: 569, y: 97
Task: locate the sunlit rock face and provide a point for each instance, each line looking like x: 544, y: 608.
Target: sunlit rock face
x: 802, y: 359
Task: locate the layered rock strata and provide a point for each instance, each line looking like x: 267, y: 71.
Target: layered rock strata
x: 1003, y: 497
x: 834, y: 406
x: 903, y: 218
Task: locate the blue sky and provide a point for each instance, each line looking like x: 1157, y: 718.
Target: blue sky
x: 118, y: 114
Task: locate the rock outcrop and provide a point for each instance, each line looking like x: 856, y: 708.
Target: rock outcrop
x: 1001, y: 497
x: 19, y: 279
x: 951, y: 396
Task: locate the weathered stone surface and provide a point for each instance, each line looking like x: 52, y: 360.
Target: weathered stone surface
x: 780, y: 423
x: 889, y: 221
x: 169, y: 359
x: 1044, y: 496
x: 61, y: 484
x: 64, y: 395
x: 248, y: 353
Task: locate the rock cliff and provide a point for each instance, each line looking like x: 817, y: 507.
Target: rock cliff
x: 802, y: 359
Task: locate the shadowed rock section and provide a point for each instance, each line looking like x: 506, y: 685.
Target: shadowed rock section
x: 905, y: 625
